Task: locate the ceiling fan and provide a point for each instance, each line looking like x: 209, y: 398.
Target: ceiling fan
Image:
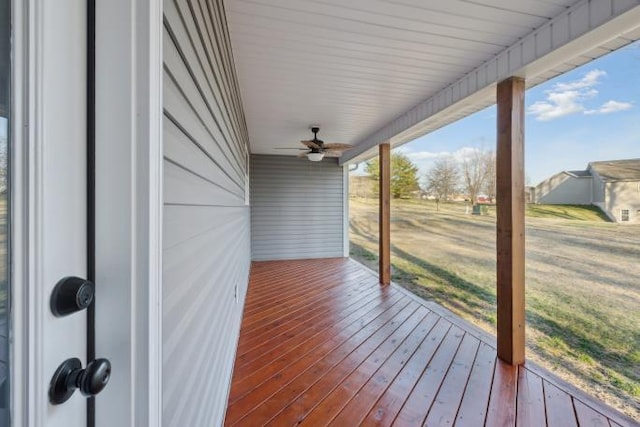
x: 317, y: 149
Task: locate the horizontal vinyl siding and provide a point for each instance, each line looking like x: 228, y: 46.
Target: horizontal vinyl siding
x: 206, y: 222
x: 297, y: 208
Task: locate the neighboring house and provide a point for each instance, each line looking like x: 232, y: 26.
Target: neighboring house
x: 565, y: 188
x: 613, y: 186
x: 616, y: 188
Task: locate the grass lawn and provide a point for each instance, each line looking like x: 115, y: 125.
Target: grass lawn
x: 582, y: 287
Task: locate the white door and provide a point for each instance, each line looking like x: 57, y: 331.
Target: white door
x: 47, y: 130
x: 49, y: 202
x: 58, y: 148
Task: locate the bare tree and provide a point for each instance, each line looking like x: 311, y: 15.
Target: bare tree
x: 490, y: 178
x: 442, y: 179
x: 475, y: 172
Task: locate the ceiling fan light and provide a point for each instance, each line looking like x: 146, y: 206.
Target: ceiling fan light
x: 315, y: 157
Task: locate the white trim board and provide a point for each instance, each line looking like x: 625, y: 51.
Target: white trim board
x: 22, y: 362
x: 129, y: 209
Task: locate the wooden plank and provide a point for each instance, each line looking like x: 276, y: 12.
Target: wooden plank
x: 264, y: 289
x: 299, y: 285
x: 350, y: 403
x: 321, y: 298
x: 445, y: 408
x: 264, y: 379
x: 612, y: 414
x: 588, y: 417
x: 476, y: 396
x: 510, y: 220
x: 282, y: 339
x: 387, y: 407
x: 344, y: 381
x: 385, y: 215
x: 266, y: 401
x: 287, y: 305
x: 294, y: 361
x: 502, y: 402
x: 530, y: 402
x: 559, y: 407
x: 417, y: 405
x: 350, y: 357
x: 332, y: 303
x: 322, y: 291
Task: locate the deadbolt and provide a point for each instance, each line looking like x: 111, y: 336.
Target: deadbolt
x: 71, y: 294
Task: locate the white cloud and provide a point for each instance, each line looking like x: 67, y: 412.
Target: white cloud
x: 611, y: 107
x: 568, y: 98
x: 589, y: 80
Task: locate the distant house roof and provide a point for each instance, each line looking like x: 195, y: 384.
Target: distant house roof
x: 580, y: 174
x: 618, y: 170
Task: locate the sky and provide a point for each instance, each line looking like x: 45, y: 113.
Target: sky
x: 588, y: 114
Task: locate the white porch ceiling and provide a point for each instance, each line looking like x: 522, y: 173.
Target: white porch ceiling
x: 357, y: 67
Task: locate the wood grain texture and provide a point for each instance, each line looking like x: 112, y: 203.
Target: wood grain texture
x: 502, y: 403
x: 384, y: 222
x: 589, y: 417
x: 355, y: 353
x: 473, y: 408
x: 510, y: 220
x: 530, y: 406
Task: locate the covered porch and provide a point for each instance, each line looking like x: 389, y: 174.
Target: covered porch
x: 323, y: 343
x: 323, y: 339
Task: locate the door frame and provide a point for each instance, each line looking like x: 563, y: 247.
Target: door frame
x: 128, y: 138
x: 129, y: 204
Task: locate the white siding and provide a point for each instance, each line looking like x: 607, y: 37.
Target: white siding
x: 297, y: 208
x: 623, y: 195
x: 206, y: 221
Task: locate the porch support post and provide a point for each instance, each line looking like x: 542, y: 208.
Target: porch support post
x: 510, y: 220
x: 385, y: 215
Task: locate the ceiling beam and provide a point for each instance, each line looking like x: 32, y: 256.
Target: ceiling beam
x: 581, y: 28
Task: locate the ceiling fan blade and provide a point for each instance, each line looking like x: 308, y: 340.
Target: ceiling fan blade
x: 287, y: 148
x: 337, y: 146
x: 310, y: 144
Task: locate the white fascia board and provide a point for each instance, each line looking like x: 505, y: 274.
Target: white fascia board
x: 579, y: 29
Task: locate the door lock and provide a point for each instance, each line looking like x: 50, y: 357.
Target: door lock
x: 70, y: 376
x: 71, y: 294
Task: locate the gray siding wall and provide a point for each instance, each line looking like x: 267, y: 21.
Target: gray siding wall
x: 564, y: 189
x: 297, y: 208
x: 598, y: 188
x: 206, y: 222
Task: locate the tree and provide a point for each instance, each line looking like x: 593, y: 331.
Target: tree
x: 490, y: 179
x: 475, y: 172
x: 404, y: 174
x: 442, y: 179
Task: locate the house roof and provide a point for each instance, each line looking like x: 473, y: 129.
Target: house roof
x: 373, y: 71
x: 580, y: 174
x: 618, y: 170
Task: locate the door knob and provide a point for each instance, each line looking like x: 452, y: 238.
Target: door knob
x: 70, y: 376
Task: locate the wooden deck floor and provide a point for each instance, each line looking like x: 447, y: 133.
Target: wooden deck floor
x: 323, y: 344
